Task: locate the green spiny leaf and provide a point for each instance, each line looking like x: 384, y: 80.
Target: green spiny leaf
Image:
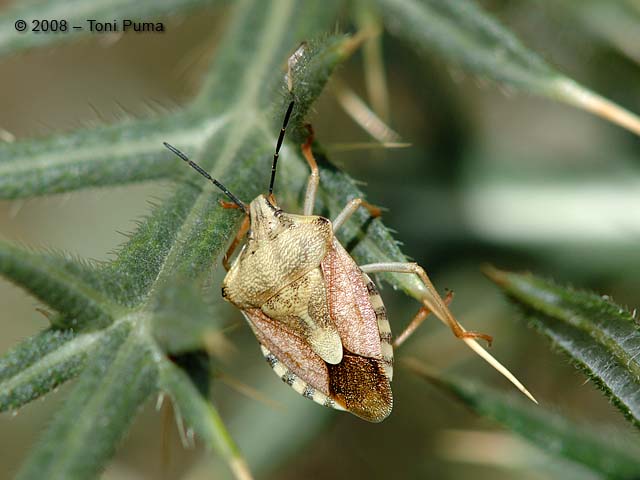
x: 108, y: 155
x: 464, y: 34
x: 606, y: 455
x: 182, y: 320
x: 187, y: 234
x: 39, y: 364
x: 201, y: 416
x: 179, y: 240
x: 49, y: 279
x: 133, y: 151
x: 84, y: 434
x: 600, y: 337
x: 230, y: 129
x: 616, y: 23
x: 279, y: 31
x: 309, y: 73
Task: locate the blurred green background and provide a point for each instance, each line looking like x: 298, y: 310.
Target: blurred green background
x: 490, y: 176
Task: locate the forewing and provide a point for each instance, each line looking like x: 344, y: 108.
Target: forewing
x: 291, y: 358
x: 350, y: 304
x: 361, y: 382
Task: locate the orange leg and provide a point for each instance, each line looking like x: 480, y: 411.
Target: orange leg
x: 242, y: 231
x: 312, y: 187
x: 430, y: 297
x: 422, y: 314
x: 228, y: 205
x: 374, y: 211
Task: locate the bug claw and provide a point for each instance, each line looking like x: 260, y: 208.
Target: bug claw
x: 373, y: 210
x: 228, y: 205
x: 475, y: 335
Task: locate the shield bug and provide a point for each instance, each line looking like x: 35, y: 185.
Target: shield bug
x: 319, y: 318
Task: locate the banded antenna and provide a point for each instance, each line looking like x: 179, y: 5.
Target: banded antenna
x: 202, y: 172
x: 278, y: 145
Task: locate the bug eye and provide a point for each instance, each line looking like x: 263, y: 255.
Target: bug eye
x: 224, y: 292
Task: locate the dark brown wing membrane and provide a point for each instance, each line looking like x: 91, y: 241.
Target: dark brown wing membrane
x: 361, y: 385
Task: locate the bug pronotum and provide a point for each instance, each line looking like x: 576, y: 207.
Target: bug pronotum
x: 319, y: 318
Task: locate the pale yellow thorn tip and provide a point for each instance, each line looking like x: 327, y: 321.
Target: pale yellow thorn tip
x: 490, y: 359
x: 240, y: 469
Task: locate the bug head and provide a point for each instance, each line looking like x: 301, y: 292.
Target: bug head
x: 266, y: 218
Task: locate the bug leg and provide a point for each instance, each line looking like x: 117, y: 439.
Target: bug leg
x: 350, y: 208
x: 228, y: 205
x: 314, y: 177
x: 430, y: 297
x: 435, y: 304
x: 417, y: 320
x: 312, y: 187
x: 234, y: 244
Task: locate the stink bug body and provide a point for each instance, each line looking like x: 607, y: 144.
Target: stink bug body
x: 319, y: 318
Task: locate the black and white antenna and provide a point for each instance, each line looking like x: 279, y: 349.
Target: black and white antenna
x: 278, y: 145
x: 202, y: 172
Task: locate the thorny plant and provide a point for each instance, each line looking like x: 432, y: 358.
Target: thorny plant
x: 142, y: 317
